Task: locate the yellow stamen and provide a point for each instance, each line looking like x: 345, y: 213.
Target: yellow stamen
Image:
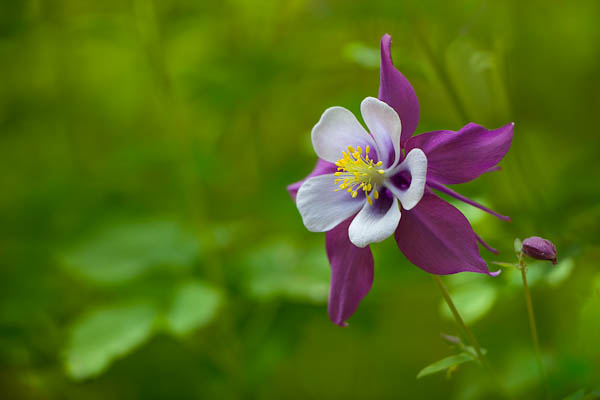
x: 357, y: 172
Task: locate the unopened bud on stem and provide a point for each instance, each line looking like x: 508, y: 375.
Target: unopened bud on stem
x: 540, y: 249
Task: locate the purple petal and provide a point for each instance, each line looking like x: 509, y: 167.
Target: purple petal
x: 487, y: 246
x: 322, y: 167
x: 459, y: 157
x: 351, y: 273
x: 438, y: 186
x: 437, y: 238
x: 397, y: 92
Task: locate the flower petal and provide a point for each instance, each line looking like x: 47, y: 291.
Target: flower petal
x: 321, y: 167
x: 351, y: 273
x: 396, y: 91
x: 437, y: 238
x: 459, y: 157
x: 487, y: 246
x: 384, y: 124
x: 337, y: 129
x: 446, y: 190
x: 375, y: 223
x: 415, y: 164
x: 321, y: 207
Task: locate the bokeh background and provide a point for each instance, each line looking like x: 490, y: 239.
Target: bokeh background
x: 148, y: 247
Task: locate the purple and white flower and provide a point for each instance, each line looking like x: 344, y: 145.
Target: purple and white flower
x: 368, y: 185
x: 370, y: 179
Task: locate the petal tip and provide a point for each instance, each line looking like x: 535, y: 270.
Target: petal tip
x: 494, y: 274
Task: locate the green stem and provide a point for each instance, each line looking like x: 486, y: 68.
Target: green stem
x: 469, y: 335
x: 532, y: 325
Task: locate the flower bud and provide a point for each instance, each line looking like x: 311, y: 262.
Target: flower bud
x: 540, y: 249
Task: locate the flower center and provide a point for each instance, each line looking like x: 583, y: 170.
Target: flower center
x: 357, y: 172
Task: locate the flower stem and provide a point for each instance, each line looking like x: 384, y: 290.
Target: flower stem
x: 470, y: 337
x: 461, y: 323
x: 532, y: 325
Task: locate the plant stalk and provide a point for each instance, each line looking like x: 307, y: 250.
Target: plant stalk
x: 469, y: 335
x: 532, y: 324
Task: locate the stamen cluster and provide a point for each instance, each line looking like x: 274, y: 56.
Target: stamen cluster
x: 358, y: 172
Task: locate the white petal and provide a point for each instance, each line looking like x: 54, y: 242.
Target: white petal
x: 375, y: 223
x: 337, y: 129
x: 321, y: 207
x: 416, y: 164
x: 385, y: 126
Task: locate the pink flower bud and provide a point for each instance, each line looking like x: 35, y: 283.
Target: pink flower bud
x: 540, y: 249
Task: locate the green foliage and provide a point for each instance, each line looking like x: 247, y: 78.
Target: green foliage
x: 578, y: 395
x: 149, y: 249
x: 194, y: 305
x: 120, y: 253
x: 473, y: 301
x: 447, y: 363
x: 106, y: 334
x: 518, y: 245
x: 280, y: 269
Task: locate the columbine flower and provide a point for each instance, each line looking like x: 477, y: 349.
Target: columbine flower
x: 362, y: 179
x: 540, y: 249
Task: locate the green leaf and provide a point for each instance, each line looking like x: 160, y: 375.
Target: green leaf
x: 195, y: 304
x: 362, y: 54
x: 536, y: 272
x: 444, y: 364
x: 120, y: 253
x: 473, y: 301
x: 505, y: 264
x: 560, y: 272
x: 106, y: 334
x: 518, y: 245
x: 282, y: 269
x: 578, y: 395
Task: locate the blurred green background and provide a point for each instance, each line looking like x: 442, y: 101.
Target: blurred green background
x: 149, y: 249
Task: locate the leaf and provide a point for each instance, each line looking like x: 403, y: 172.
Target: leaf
x: 578, y: 395
x: 362, y: 54
x: 518, y: 245
x: 104, y: 335
x: 536, y: 272
x: 473, y: 301
x: 123, y: 252
x: 505, y: 264
x: 194, y: 305
x: 281, y: 269
x: 560, y: 272
x: 444, y: 364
